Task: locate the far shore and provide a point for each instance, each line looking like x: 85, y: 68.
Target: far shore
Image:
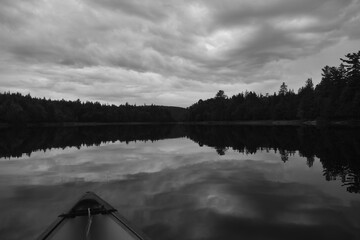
x: 350, y: 123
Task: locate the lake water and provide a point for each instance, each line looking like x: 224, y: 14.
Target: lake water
x: 187, y: 182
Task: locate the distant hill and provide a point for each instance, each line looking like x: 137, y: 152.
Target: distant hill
x: 179, y: 114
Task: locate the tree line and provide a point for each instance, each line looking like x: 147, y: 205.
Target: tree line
x: 18, y: 109
x: 336, y: 97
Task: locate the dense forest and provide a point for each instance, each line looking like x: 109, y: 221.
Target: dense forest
x: 18, y: 109
x: 336, y: 97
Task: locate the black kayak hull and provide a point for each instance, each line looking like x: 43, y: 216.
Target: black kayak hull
x: 91, y: 218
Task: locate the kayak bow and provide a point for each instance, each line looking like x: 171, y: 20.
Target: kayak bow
x: 91, y: 218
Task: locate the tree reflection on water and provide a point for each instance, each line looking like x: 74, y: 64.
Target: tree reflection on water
x: 337, y: 148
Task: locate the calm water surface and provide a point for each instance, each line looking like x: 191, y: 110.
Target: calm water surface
x: 187, y: 182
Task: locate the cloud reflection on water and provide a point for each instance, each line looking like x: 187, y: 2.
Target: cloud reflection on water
x: 175, y: 190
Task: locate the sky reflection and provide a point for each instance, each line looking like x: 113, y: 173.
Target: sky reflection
x: 174, y: 189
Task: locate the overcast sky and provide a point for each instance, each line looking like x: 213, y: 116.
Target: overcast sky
x: 169, y: 52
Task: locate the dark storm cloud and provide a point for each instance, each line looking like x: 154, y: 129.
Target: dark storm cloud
x: 269, y: 44
x: 151, y: 10
x: 14, y: 14
x: 46, y: 52
x: 284, y: 29
x: 198, y: 45
x: 231, y: 13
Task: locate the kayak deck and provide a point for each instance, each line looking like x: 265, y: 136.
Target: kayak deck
x: 91, y: 218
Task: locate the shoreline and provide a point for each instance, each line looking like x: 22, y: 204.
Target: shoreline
x: 347, y: 123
